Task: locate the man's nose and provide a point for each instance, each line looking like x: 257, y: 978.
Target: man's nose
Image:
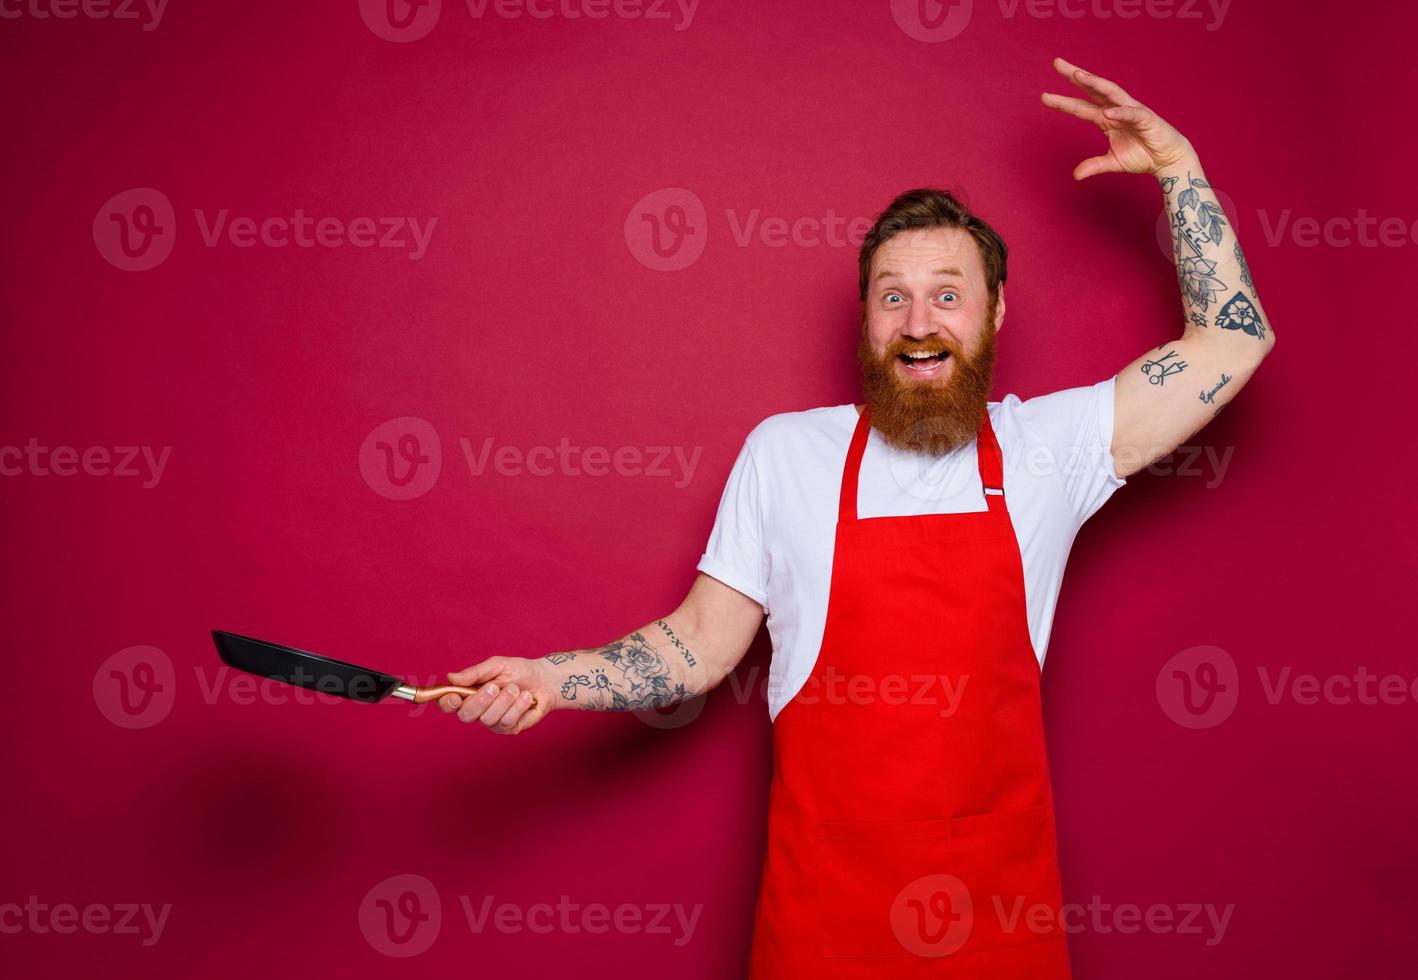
x: 918, y: 322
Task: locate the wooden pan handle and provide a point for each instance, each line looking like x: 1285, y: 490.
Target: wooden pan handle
x: 422, y: 695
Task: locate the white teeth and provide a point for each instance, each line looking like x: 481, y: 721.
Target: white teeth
x: 921, y: 355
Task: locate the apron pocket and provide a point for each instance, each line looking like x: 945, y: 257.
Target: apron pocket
x: 935, y: 888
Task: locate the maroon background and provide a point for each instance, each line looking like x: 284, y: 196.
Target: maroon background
x: 530, y: 319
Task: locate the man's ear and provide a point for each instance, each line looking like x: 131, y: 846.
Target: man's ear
x: 999, y: 309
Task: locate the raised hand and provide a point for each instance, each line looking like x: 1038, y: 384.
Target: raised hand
x: 1139, y: 140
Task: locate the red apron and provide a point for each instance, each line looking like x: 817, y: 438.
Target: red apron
x: 910, y: 823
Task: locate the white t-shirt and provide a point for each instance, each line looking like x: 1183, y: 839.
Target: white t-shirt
x: 773, y: 537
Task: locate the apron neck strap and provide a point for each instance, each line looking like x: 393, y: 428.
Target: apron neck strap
x: 991, y: 461
x: 987, y: 454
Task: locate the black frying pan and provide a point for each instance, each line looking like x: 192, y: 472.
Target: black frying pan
x: 321, y: 673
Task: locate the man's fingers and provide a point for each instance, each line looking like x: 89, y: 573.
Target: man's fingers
x: 1099, y: 89
x: 477, y: 673
x: 1134, y: 115
x: 508, y: 724
x: 450, y: 703
x: 1093, y: 166
x: 500, y: 705
x: 474, y: 706
x: 1074, y: 107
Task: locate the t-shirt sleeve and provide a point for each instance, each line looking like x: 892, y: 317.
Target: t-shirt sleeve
x: 736, y: 554
x: 1075, y: 426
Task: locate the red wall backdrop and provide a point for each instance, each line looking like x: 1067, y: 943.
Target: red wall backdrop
x: 164, y: 818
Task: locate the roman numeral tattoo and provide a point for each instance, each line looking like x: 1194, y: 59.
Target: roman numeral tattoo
x: 689, y: 657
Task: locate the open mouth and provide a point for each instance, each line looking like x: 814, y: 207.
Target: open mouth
x: 924, y: 362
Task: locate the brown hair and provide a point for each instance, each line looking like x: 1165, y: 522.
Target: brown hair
x: 927, y: 207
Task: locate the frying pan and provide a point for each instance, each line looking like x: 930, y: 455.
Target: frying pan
x: 322, y: 674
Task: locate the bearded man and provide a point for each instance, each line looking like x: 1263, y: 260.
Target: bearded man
x: 908, y: 552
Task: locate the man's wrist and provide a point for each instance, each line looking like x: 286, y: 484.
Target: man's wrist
x: 1188, y: 162
x: 556, y: 668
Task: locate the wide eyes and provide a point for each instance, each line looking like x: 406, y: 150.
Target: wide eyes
x: 946, y: 297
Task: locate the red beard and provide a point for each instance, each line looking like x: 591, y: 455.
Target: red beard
x: 929, y: 417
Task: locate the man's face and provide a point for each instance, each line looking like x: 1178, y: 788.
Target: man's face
x: 927, y: 346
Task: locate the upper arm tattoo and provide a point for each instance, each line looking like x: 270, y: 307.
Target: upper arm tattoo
x: 1209, y: 395
x: 1245, y: 267
x: 1240, y: 313
x: 689, y: 657
x: 1159, y: 369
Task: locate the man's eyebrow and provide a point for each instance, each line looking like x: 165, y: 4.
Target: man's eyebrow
x: 947, y: 271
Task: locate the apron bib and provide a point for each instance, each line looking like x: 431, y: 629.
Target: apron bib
x: 910, y: 821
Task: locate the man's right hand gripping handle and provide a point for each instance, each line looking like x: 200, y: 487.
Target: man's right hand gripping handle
x: 681, y: 656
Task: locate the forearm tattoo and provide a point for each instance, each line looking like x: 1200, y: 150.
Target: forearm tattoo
x: 688, y: 657
x: 1198, y: 232
x: 627, y: 675
x: 1195, y: 224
